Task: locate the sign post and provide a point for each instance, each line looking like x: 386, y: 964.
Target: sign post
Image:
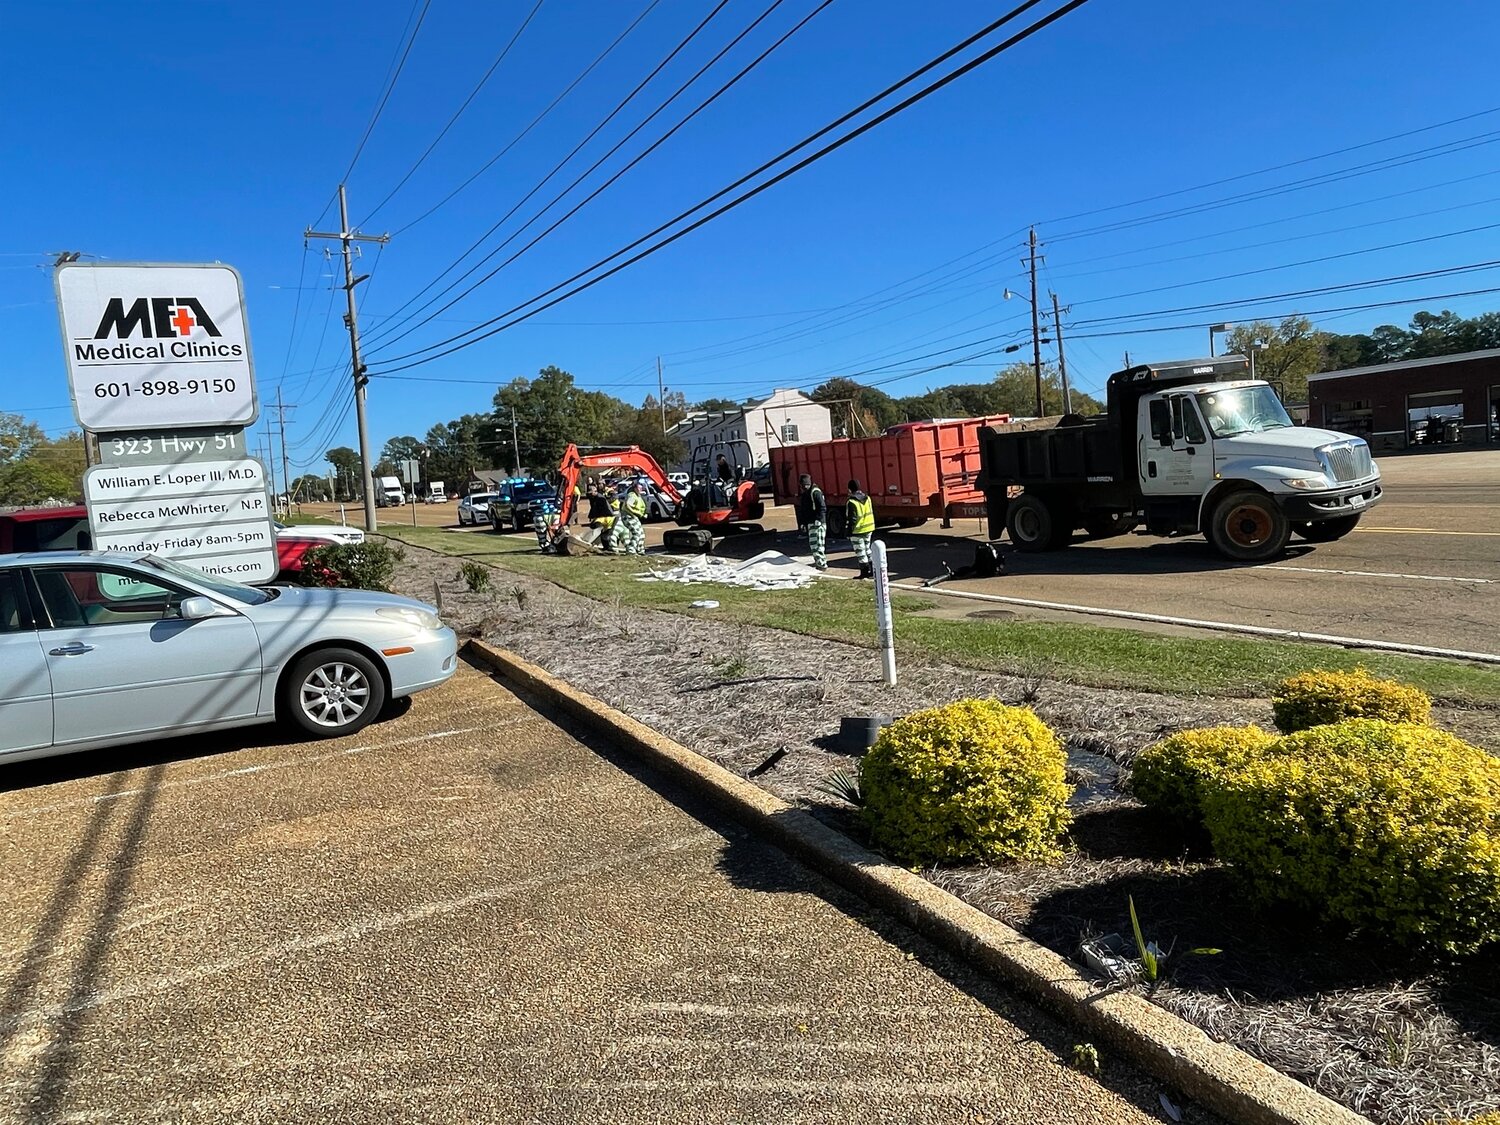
x: 883, y: 622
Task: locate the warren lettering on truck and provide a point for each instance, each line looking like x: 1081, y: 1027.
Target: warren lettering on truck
x: 1184, y: 447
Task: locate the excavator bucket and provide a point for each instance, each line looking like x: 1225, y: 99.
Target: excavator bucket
x: 584, y: 541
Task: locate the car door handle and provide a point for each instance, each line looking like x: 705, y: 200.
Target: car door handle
x: 73, y: 648
x: 1150, y: 468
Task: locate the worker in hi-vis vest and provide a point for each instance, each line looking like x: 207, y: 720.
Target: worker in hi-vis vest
x: 859, y: 515
x: 630, y: 531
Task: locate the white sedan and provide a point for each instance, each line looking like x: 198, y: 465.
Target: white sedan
x: 99, y: 648
x: 474, y: 510
x: 336, y: 533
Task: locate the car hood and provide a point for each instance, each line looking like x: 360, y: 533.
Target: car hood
x: 316, y: 599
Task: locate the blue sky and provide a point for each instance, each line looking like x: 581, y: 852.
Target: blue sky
x: 218, y: 132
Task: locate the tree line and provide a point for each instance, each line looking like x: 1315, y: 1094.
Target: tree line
x: 35, y: 468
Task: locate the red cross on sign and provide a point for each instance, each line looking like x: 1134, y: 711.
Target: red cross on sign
x: 183, y: 321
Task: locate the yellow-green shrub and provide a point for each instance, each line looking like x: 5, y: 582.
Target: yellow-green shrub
x: 1312, y: 699
x: 1169, y: 775
x: 1389, y: 828
x: 969, y: 780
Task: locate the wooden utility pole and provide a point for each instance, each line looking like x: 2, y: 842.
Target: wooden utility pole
x: 347, y: 238
x: 661, y: 395
x: 1062, y: 363
x: 286, y: 475
x: 1036, y: 328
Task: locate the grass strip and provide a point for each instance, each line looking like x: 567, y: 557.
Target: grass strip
x: 1100, y: 656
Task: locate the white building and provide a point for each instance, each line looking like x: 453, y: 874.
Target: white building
x: 787, y: 417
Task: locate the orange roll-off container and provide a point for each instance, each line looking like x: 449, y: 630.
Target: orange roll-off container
x: 914, y: 472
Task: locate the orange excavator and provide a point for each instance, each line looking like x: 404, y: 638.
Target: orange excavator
x: 721, y: 499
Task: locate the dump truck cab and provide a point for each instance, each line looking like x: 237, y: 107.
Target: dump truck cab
x: 1183, y: 448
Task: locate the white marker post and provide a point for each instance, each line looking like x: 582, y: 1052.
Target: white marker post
x: 883, y: 623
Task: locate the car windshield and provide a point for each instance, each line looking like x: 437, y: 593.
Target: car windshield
x: 537, y: 490
x: 224, y: 587
x: 1242, y: 410
x: 481, y: 498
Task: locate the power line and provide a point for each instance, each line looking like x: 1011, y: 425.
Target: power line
x: 556, y: 168
x: 703, y: 105
x: 1272, y: 168
x: 1385, y: 164
x: 806, y: 161
x: 1290, y: 265
x: 386, y: 96
x: 1271, y: 242
x: 535, y: 121
x: 474, y: 93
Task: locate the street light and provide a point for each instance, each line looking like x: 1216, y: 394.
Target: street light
x: 1212, y: 328
x: 1253, y: 347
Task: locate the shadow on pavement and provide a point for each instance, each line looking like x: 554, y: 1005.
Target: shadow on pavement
x: 751, y: 863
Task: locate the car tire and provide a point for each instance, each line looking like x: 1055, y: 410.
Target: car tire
x: 331, y: 692
x: 1248, y: 526
x: 516, y: 524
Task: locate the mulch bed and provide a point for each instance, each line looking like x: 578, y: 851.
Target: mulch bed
x: 1403, y: 1042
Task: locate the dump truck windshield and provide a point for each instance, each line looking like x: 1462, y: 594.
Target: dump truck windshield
x: 1242, y: 410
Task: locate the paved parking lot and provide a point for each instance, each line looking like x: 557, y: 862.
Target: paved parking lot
x: 466, y: 914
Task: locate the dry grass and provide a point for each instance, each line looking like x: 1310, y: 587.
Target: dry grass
x: 1402, y: 1043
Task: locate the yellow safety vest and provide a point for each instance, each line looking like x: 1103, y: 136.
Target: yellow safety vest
x: 864, y: 516
x: 635, y: 504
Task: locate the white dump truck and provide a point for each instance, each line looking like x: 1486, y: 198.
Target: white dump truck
x: 1186, y: 447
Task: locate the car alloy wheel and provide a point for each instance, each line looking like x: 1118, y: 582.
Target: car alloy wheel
x: 335, y: 694
x: 333, y: 691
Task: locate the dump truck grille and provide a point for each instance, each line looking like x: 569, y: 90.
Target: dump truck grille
x: 1350, y: 462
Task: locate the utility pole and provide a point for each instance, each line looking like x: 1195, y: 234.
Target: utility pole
x: 661, y: 395
x: 515, y: 441
x: 286, y: 475
x: 1036, y: 328
x: 346, y: 236
x: 1062, y: 363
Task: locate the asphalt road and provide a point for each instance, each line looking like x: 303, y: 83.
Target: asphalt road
x: 464, y: 914
x: 1422, y: 568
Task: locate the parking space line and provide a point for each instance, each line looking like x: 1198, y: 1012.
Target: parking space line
x: 355, y: 931
x: 1379, y: 574
x: 285, y: 763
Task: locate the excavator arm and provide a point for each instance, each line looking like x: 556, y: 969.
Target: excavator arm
x: 631, y: 457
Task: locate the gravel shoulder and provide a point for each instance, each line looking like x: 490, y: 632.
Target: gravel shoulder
x: 1398, y: 1042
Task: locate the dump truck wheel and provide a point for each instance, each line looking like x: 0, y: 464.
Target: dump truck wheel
x: 1247, y: 526
x: 1031, y: 525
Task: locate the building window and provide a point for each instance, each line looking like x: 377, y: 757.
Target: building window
x: 1353, y: 417
x: 789, y: 433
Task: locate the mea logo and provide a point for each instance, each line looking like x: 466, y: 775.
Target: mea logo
x: 167, y: 318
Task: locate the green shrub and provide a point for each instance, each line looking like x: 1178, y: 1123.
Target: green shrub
x: 969, y: 780
x: 475, y: 576
x: 1169, y: 775
x: 354, y: 566
x: 1313, y: 699
x: 1388, y: 828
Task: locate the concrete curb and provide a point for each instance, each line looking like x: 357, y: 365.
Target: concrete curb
x: 1218, y: 1076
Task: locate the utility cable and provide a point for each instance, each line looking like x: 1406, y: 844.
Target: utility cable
x: 1273, y: 168
x: 723, y: 89
x: 556, y: 168
x: 900, y: 107
x: 389, y: 89
x: 535, y: 121
x: 474, y: 93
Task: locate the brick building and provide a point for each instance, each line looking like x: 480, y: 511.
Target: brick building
x: 1450, y: 400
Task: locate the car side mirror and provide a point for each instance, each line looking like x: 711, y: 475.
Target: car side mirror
x: 198, y: 608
